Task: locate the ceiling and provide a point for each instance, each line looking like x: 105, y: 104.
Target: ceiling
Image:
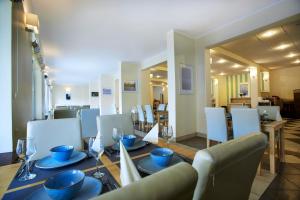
x: 225, y: 66
x: 83, y: 39
x: 262, y: 48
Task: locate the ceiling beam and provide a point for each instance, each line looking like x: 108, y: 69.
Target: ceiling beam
x: 226, y: 53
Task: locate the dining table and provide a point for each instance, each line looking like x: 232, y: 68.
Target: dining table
x: 275, y: 130
x: 110, y: 165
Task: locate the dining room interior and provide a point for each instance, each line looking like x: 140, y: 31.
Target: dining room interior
x: 104, y: 100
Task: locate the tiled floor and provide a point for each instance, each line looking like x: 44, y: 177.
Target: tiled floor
x: 286, y: 185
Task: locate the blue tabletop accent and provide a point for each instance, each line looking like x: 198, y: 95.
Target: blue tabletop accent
x: 50, y: 163
x: 148, y: 166
x: 91, y: 188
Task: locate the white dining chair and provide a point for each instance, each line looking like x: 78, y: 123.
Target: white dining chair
x: 50, y: 133
x: 245, y: 121
x: 216, y: 125
x: 149, y: 116
x: 141, y: 117
x: 273, y: 112
x: 161, y: 107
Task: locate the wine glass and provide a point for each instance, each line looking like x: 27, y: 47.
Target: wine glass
x: 170, y: 134
x: 167, y: 133
x: 117, y: 136
x: 25, y: 150
x: 96, y: 149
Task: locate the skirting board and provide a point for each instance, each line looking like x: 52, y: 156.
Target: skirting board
x: 188, y: 136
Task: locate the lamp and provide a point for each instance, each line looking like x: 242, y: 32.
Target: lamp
x: 253, y: 72
x: 32, y: 23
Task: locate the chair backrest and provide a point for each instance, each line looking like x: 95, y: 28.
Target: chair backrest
x: 65, y: 113
x: 149, y: 114
x: 161, y: 107
x: 227, y: 170
x: 273, y: 112
x: 140, y: 113
x: 245, y: 121
x: 50, y: 133
x: 173, y: 183
x: 108, y: 122
x: 88, y: 122
x: 216, y: 124
x: 167, y: 107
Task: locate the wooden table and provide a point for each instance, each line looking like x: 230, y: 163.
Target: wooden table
x: 159, y: 113
x: 274, y: 128
x: 7, y: 172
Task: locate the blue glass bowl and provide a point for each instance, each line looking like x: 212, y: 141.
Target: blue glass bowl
x: 64, y: 185
x: 128, y: 140
x: 162, y: 156
x: 62, y: 153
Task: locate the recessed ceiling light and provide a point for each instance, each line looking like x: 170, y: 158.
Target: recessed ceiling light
x: 297, y: 61
x: 222, y: 74
x: 221, y: 61
x: 291, y: 55
x: 282, y: 46
x: 236, y: 66
x: 158, y: 76
x: 269, y: 33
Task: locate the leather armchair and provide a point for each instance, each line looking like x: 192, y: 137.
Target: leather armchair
x: 227, y: 170
x: 174, y: 183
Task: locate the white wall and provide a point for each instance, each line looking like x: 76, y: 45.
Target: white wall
x: 107, y: 102
x: 94, y: 86
x: 129, y: 71
x: 284, y: 81
x: 5, y: 77
x: 79, y: 95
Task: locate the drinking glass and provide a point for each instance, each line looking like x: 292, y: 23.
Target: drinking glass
x: 170, y: 134
x: 117, y: 136
x: 25, y: 150
x: 96, y: 149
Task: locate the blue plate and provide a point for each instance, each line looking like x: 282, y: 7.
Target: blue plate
x: 137, y: 145
x: 91, y: 188
x: 50, y: 163
x: 148, y: 166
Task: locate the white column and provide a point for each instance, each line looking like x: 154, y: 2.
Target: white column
x: 5, y: 77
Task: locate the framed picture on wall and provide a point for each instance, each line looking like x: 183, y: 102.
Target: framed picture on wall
x: 130, y: 86
x: 106, y: 91
x: 94, y: 94
x: 186, y: 79
x: 68, y: 96
x: 244, y: 89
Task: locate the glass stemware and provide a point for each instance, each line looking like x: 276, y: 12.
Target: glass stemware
x: 117, y: 136
x: 25, y: 150
x: 167, y: 133
x: 96, y: 149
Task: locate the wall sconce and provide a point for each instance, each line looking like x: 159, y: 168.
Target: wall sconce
x: 68, y: 93
x: 253, y: 72
x: 266, y: 76
x: 32, y: 23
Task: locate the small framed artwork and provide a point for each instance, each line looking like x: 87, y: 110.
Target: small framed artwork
x: 186, y: 79
x: 106, y: 91
x: 68, y: 96
x: 94, y: 94
x: 130, y: 86
x: 244, y: 89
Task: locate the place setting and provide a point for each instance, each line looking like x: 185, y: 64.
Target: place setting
x: 61, y: 177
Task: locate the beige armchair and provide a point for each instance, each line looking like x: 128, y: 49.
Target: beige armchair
x: 174, y: 183
x: 227, y: 171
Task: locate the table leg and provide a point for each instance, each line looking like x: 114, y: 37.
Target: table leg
x: 272, y: 150
x: 282, y: 145
x: 158, y: 121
